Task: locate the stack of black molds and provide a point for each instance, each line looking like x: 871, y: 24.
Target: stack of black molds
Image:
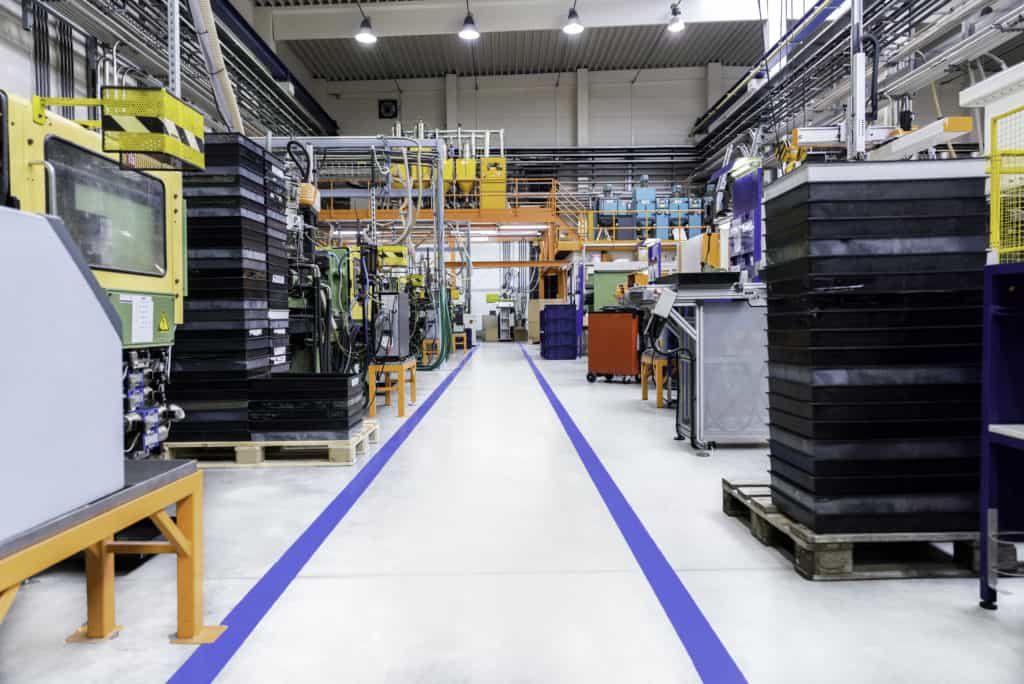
x: 225, y: 341
x: 276, y: 190
x: 298, y: 406
x: 874, y: 343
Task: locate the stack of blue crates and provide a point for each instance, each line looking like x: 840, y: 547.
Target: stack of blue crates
x: 558, y: 331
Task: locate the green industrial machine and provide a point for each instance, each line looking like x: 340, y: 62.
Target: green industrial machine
x: 605, y: 285
x: 326, y: 348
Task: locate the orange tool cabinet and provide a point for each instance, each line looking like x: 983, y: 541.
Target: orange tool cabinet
x: 614, y: 346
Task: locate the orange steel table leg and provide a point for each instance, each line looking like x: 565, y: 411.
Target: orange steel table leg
x: 645, y: 378
x: 401, y: 393
x: 6, y: 599
x: 191, y: 629
x: 660, y: 368
x: 412, y: 382
x: 371, y: 378
x: 99, y: 594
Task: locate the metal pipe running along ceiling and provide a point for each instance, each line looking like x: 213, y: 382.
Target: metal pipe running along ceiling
x: 140, y: 26
x: 818, y: 66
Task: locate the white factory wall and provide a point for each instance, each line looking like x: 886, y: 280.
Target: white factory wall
x: 657, y: 109
x: 15, y: 51
x: 16, y: 73
x: 485, y: 280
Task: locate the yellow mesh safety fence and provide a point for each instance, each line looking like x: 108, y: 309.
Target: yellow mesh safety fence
x: 1007, y: 178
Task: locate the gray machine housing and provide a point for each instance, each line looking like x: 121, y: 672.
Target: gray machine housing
x: 61, y: 399
x: 393, y: 326
x: 723, y: 393
x: 723, y: 358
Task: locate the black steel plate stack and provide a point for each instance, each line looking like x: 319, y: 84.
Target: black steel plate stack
x: 299, y: 406
x: 874, y: 342
x: 276, y: 236
x: 226, y: 339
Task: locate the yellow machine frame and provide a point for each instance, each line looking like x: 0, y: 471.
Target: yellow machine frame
x: 1006, y: 230
x: 28, y: 178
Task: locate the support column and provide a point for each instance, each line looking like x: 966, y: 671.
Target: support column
x: 451, y: 101
x: 582, y: 107
x: 263, y: 23
x: 713, y: 83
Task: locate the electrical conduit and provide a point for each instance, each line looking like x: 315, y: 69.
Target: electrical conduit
x: 209, y: 41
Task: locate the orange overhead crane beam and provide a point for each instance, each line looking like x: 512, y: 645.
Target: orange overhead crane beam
x: 529, y: 215
x: 510, y: 264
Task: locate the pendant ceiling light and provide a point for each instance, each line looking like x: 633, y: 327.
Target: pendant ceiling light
x: 676, y: 23
x: 365, y: 34
x: 573, y: 27
x: 469, y: 30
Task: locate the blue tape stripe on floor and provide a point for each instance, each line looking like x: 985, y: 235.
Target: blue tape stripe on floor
x: 713, y: 662
x: 207, y: 661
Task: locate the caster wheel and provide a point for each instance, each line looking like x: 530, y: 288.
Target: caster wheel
x: 608, y: 378
x: 591, y: 377
x: 637, y: 378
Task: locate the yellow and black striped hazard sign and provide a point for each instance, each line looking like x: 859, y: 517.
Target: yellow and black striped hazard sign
x: 152, y: 129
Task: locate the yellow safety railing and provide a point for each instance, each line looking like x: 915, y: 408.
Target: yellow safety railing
x: 517, y: 194
x: 1007, y: 180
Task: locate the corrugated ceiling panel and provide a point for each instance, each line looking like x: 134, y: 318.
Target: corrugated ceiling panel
x: 530, y: 52
x: 313, y: 3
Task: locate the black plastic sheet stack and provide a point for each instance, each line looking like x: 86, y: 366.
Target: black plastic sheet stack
x: 874, y: 342
x: 226, y: 338
x: 277, y: 261
x: 298, y: 406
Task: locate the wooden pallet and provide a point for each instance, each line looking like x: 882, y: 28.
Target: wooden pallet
x: 316, y: 452
x: 849, y: 556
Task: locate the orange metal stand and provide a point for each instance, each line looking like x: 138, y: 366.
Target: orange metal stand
x: 400, y: 369
x: 95, y: 536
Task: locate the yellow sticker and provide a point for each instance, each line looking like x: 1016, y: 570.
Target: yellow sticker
x: 164, y: 325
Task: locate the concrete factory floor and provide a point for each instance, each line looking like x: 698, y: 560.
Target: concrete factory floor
x: 484, y: 552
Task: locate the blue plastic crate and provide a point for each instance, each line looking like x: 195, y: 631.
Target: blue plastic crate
x: 560, y: 312
x: 557, y: 339
x: 558, y: 353
x: 558, y: 326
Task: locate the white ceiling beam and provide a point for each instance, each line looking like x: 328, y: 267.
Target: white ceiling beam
x: 436, y: 17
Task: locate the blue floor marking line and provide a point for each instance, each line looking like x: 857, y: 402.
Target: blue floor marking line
x: 208, y: 660
x: 709, y: 656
